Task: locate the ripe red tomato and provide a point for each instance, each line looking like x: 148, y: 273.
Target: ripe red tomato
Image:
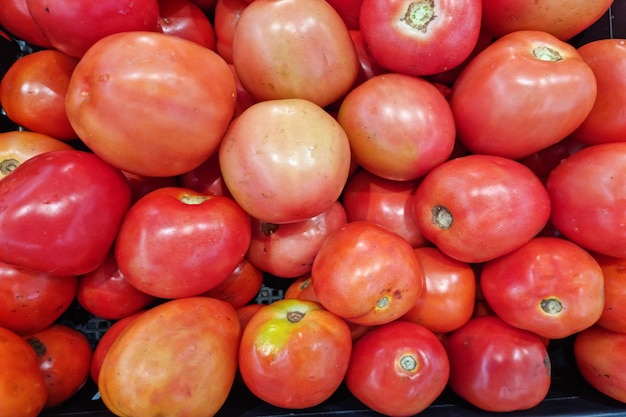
x: 206, y: 178
x: 141, y: 185
x: 61, y: 212
x: 31, y: 301
x: 409, y: 36
x: 241, y: 286
x: 294, y: 49
x: 478, y: 207
x: 64, y: 356
x: 227, y: 13
x: 398, y: 368
x: 191, y: 95
x: 294, y: 353
x: 497, y: 367
x: 399, y: 127
x: 549, y: 286
x: 246, y: 312
x: 589, y: 198
x: 547, y: 79
x: 185, y: 19
x: 16, y: 19
x: 23, y: 391
x: 19, y: 145
x: 613, y: 316
x: 176, y: 359
x: 366, y: 274
x: 349, y: 11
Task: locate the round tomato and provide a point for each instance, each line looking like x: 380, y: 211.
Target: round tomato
x: 613, y: 316
x: 241, y: 286
x: 176, y: 359
x: 523, y: 93
x: 148, y: 110
x: 185, y: 19
x: 19, y: 145
x: 294, y: 353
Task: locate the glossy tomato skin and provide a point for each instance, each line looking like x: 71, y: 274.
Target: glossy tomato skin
x: 206, y: 178
x: 19, y: 145
x: 497, y: 367
x: 75, y: 203
x: 594, y: 174
x: 294, y: 353
x: 613, y: 316
x: 192, y: 95
x: 555, y: 286
x: 398, y: 369
x: 241, y: 286
x: 408, y: 37
x: 16, y: 19
x: 496, y: 198
x: 227, y: 14
x: 549, y: 80
x: 64, y: 356
x: 175, y: 242
x: 31, y: 301
x: 185, y: 348
x: 185, y: 19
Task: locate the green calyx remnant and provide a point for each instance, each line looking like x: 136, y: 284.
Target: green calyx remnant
x: 419, y: 14
x: 442, y: 218
x: 545, y: 53
x: 408, y: 363
x: 383, y: 302
x: 193, y: 199
x: 551, y: 306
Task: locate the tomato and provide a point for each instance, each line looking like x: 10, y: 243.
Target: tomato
x: 191, y: 94
x: 478, y: 207
x: 206, y: 178
x: 246, y: 312
x: 447, y: 301
x: 349, y: 10
x: 606, y: 122
x: 599, y: 355
x: 545, y: 160
x: 285, y: 160
x: 288, y: 250
x: 294, y: 353
x: 176, y: 243
x: 64, y: 356
x: 399, y: 127
x: 368, y: 68
x: 23, y: 391
x: 302, y: 289
x: 497, y: 367
x: 613, y: 316
x: 176, y: 359
x: 73, y: 27
x: 31, y: 301
x: 367, y: 274
x: 33, y: 91
x: 408, y: 36
x: 241, y: 286
x: 185, y: 19
x: 294, y: 49
x: 549, y: 286
x: 553, y: 89
x: 19, y: 145
x: 398, y: 369
x: 588, y: 193
x: 227, y: 13
x: 16, y: 18
x: 61, y: 212
x: 562, y: 18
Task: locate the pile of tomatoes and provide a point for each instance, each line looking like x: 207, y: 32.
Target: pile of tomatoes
x: 441, y: 186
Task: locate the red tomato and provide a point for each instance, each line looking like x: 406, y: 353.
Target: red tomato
x: 548, y: 80
x: 294, y: 49
x: 191, y: 95
x: 447, y: 301
x: 176, y: 359
x: 31, y: 301
x: 19, y: 145
x: 549, y: 286
x: 600, y: 358
x: 206, y: 178
x: 613, y: 316
x: 398, y: 369
x: 399, y: 127
x: 302, y: 288
x: 408, y: 36
x: 246, y: 312
x: 349, y: 10
x: 241, y: 286
x: 73, y: 27
x: 61, y: 212
x: 366, y: 274
x: 478, y: 207
x: 185, y: 19
x: 176, y: 243
x: 294, y: 353
x: 33, y: 91
x: 545, y: 160
x: 64, y: 356
x: 227, y: 13
x: 497, y: 367
x: 16, y: 19
x: 285, y: 160
x: 606, y: 122
x: 588, y: 197
x: 141, y: 185
x: 562, y: 18
x: 368, y: 67
x: 106, y: 293
x: 23, y: 391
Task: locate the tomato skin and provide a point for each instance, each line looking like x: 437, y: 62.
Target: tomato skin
x: 89, y: 200
x: 497, y: 367
x: 496, y: 198
x: 16, y: 19
x: 556, y: 286
x: 184, y: 348
x: 192, y: 95
x: 227, y: 14
x: 292, y: 347
x: 547, y: 87
x: 185, y: 19
x: 398, y: 369
x: 613, y: 316
x: 19, y: 145
x: 241, y: 286
x: 23, y: 391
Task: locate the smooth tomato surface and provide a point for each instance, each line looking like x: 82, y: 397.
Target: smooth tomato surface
x: 185, y: 19
x: 16, y: 19
x: 241, y: 286
x: 19, y: 145
x: 613, y: 316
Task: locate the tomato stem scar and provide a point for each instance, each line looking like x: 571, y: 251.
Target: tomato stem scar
x: 419, y: 14
x: 383, y: 302
x: 551, y: 306
x: 442, y: 218
x: 193, y: 199
x: 408, y: 363
x: 295, y: 316
x: 545, y: 53
x: 8, y: 165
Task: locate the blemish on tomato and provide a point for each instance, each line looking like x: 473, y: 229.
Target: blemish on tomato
x: 419, y: 14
